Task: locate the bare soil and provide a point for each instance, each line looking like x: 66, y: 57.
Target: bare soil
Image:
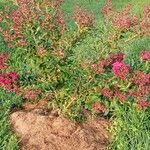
x: 38, y: 129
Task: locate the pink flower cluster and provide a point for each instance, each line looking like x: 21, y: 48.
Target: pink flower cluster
x: 17, y: 18
x: 121, y: 70
x: 100, y: 66
x: 8, y: 81
x: 13, y: 35
x: 118, y: 57
x: 144, y: 22
x: 140, y: 91
x: 121, y: 96
x: 145, y: 55
x: 114, y: 93
x: 139, y: 82
x: 31, y: 94
x: 122, y: 22
x: 82, y: 18
x: 145, y: 26
x: 142, y: 88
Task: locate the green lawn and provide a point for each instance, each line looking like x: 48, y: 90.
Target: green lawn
x: 132, y: 49
x: 96, y: 5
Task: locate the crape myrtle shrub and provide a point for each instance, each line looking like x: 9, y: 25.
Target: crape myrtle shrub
x: 41, y: 62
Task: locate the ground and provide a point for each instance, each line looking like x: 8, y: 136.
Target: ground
x: 38, y: 129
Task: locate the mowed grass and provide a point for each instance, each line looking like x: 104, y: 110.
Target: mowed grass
x: 96, y: 6
x: 87, y: 49
x: 8, y: 140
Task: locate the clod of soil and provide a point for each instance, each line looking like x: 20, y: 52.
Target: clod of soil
x: 38, y: 131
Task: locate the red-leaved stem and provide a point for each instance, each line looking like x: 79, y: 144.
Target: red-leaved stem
x: 82, y: 18
x: 3, y: 59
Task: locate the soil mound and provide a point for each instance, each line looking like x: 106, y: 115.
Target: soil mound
x: 37, y: 130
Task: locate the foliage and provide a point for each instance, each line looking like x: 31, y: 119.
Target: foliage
x: 7, y: 101
x: 89, y: 68
x: 130, y: 129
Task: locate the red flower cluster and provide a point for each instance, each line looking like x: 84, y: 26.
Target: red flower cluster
x: 143, y: 104
x: 27, y: 13
x: 142, y: 88
x: 17, y: 18
x: 121, y: 70
x: 140, y: 91
x: 145, y: 55
x: 107, y: 93
x: 141, y: 78
x: 139, y: 87
x: 118, y: 57
x: 121, y: 96
x: 8, y: 81
x: 122, y: 22
x: 145, y: 26
x: 114, y: 93
x: 99, y: 67
x: 13, y: 35
x: 99, y: 107
x: 31, y: 94
x: 82, y: 18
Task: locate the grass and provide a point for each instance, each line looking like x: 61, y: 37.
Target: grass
x: 132, y: 49
x: 8, y: 100
x: 131, y: 130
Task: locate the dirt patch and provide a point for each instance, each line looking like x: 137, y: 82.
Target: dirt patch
x: 40, y: 131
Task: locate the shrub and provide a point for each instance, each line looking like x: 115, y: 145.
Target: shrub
x: 39, y: 33
x: 46, y: 64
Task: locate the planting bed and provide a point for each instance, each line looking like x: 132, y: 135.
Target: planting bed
x: 74, y: 76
